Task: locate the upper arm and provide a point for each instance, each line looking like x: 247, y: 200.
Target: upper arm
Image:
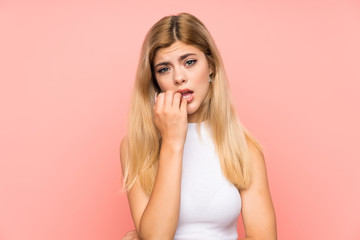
x: 137, y: 198
x: 257, y: 208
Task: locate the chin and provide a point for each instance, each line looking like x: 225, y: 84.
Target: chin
x: 191, y: 109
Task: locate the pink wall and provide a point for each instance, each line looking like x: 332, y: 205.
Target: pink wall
x: 66, y: 71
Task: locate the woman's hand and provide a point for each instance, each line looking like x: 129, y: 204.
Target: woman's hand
x: 132, y: 235
x: 170, y: 117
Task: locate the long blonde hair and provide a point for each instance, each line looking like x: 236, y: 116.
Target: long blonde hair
x: 231, y: 138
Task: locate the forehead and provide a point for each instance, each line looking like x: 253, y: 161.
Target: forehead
x: 174, y: 51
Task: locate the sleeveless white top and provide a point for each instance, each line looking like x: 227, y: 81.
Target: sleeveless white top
x: 210, y: 205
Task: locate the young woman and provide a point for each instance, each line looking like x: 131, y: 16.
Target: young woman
x: 189, y: 165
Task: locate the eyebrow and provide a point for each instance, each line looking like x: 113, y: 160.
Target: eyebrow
x: 180, y: 58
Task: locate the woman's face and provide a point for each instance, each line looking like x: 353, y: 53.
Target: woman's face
x: 183, y: 68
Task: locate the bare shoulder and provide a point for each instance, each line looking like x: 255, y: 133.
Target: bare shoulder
x: 257, y: 208
x: 255, y: 153
x: 123, y: 152
x: 137, y: 198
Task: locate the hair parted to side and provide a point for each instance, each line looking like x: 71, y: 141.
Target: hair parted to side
x: 231, y: 138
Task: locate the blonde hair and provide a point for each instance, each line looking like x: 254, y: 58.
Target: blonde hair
x: 231, y: 138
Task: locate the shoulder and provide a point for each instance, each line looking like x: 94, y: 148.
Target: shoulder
x: 124, y: 143
x: 259, y: 171
x: 124, y: 151
x: 255, y: 151
x: 256, y: 155
x: 257, y: 200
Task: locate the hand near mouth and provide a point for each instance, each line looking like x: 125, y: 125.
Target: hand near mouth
x: 170, y: 117
x: 187, y: 94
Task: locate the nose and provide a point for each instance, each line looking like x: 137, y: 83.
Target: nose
x: 179, y: 76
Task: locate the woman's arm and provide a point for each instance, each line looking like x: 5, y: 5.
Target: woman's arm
x: 257, y: 208
x: 156, y: 217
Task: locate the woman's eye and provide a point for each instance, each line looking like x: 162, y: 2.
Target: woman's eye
x: 162, y: 70
x: 190, y: 62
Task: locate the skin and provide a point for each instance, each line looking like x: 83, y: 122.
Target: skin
x: 156, y: 216
x: 191, y: 72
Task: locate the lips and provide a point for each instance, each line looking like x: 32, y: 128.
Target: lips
x: 187, y: 94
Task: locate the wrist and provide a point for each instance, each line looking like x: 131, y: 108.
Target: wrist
x: 175, y: 146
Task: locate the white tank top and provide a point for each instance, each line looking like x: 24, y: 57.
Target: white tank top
x: 210, y: 205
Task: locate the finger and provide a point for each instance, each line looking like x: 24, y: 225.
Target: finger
x: 133, y: 233
x: 155, y: 97
x: 183, y: 106
x: 177, y: 100
x: 159, y: 101
x: 130, y: 235
x: 169, y: 95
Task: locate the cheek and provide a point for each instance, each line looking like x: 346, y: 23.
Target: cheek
x: 201, y: 78
x: 164, y: 85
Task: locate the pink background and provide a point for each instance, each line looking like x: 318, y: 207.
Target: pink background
x: 67, y: 70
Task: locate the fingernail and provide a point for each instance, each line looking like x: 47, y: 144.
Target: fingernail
x: 155, y: 96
